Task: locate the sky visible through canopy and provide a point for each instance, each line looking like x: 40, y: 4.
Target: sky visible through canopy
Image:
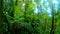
x: 46, y: 6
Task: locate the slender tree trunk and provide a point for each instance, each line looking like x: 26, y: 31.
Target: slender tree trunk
x: 53, y: 24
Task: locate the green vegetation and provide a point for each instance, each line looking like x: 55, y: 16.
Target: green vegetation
x: 29, y: 17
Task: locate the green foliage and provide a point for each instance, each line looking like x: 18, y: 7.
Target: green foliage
x: 21, y: 18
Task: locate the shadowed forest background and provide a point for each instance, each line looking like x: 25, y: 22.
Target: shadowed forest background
x: 29, y: 16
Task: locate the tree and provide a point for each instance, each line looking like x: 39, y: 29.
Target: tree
x: 52, y: 13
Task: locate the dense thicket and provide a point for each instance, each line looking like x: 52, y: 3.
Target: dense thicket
x: 20, y: 17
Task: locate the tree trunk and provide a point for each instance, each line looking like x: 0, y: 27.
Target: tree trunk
x: 53, y: 24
